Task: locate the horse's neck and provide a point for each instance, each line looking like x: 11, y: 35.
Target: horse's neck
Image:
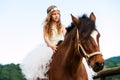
x: 76, y: 68
x: 74, y: 65
x: 73, y: 60
x: 71, y: 52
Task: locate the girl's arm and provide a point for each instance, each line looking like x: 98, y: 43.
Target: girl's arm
x: 49, y: 44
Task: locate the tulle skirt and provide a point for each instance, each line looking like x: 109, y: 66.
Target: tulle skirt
x: 34, y: 64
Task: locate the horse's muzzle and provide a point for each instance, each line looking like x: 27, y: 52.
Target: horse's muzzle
x: 98, y: 66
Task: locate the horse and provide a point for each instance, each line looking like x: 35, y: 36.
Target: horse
x: 81, y: 41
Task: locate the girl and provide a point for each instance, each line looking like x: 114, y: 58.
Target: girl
x: 34, y: 64
x: 53, y: 28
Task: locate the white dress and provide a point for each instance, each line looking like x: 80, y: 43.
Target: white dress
x: 34, y: 64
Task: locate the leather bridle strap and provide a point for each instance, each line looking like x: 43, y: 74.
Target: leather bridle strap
x: 83, y: 50
x: 88, y: 55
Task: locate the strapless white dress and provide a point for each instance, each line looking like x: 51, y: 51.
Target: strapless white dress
x: 34, y: 64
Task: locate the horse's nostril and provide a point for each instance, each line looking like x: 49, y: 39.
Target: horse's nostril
x: 100, y: 65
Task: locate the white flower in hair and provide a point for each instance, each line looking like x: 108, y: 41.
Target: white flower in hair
x: 53, y: 10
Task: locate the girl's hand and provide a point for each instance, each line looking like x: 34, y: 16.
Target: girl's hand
x: 54, y: 48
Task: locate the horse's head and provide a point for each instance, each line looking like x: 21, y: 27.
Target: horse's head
x: 88, y: 41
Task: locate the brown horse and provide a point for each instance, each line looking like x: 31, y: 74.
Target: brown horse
x: 81, y: 40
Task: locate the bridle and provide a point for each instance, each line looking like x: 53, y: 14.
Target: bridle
x: 87, y: 56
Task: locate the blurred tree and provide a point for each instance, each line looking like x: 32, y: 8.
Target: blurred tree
x: 11, y: 72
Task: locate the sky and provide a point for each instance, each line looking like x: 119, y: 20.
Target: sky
x: 21, y: 24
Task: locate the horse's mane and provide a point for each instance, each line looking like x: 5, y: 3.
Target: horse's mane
x: 86, y: 26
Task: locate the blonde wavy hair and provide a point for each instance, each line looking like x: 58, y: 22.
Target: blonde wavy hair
x: 48, y: 22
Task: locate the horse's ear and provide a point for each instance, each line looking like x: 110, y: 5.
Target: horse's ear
x: 75, y: 20
x: 92, y: 16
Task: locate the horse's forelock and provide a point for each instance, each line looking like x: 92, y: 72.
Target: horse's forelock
x: 85, y: 27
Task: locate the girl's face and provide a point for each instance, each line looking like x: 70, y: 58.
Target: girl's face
x: 55, y: 16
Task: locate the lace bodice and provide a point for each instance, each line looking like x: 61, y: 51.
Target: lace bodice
x: 56, y: 37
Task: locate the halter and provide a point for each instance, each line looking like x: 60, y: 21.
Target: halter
x: 87, y: 56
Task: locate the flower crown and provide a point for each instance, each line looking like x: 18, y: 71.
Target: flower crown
x: 53, y: 9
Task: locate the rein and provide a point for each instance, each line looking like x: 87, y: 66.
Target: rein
x: 87, y: 56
